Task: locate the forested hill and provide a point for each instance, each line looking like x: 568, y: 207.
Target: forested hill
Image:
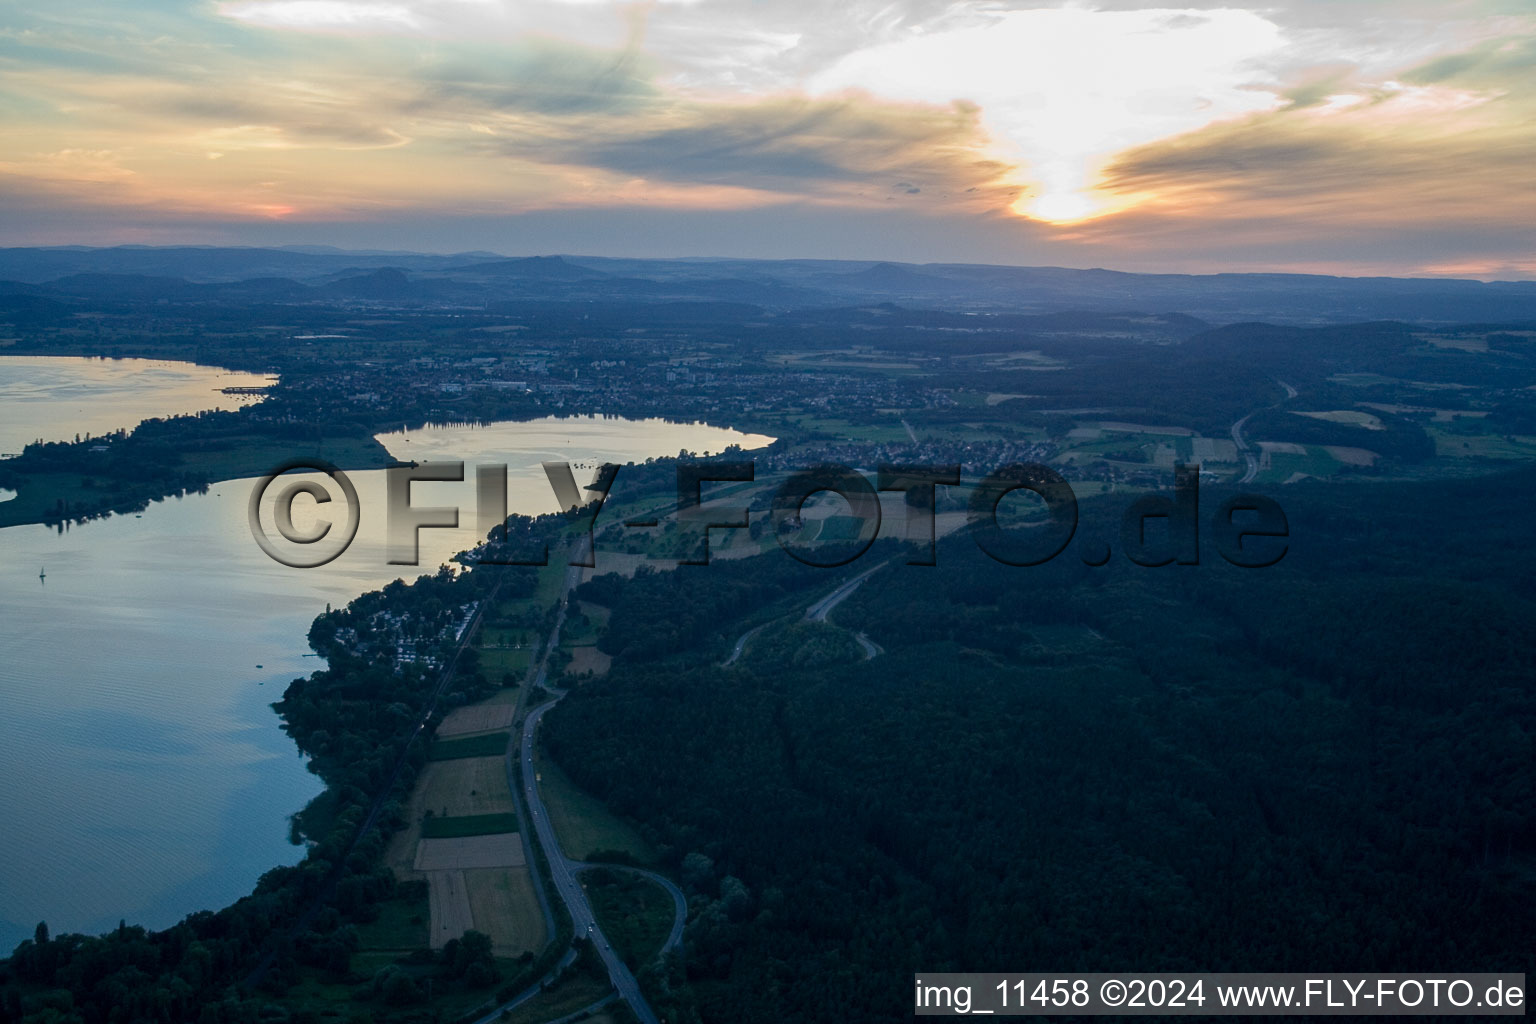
x: 1326, y: 764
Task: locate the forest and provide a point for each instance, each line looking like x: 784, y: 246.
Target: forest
x: 1324, y: 765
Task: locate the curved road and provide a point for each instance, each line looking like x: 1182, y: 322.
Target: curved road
x: 679, y: 901
x: 1242, y: 446
x: 563, y: 872
x: 819, y: 611
x: 741, y: 645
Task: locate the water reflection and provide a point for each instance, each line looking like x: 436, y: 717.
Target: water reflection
x: 145, y: 775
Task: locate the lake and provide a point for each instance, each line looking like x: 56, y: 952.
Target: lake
x: 146, y: 776
x: 53, y: 398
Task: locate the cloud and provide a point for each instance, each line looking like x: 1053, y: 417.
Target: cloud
x: 542, y: 77
x: 1063, y: 89
x: 324, y: 14
x: 1216, y: 126
x: 1391, y: 146
x: 796, y: 145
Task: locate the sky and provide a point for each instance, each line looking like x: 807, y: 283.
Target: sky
x: 1352, y: 137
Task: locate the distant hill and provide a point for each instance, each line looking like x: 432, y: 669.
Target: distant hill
x: 382, y: 284
x: 317, y: 274
x: 892, y: 278
x: 546, y: 268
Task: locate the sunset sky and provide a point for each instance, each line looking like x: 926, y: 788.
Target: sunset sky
x: 1336, y: 136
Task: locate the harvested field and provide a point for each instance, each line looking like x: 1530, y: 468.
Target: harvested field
x: 1349, y: 417
x: 589, y: 659
x: 452, y: 789
x: 1143, y: 428
x: 451, y: 916
x: 505, y: 907
x: 946, y: 523
x: 1352, y: 456
x: 498, y: 851
x: 477, y: 718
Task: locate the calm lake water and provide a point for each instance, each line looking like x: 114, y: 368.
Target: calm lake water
x: 145, y: 775
x: 52, y: 398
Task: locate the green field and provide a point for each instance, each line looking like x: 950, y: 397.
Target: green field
x: 846, y: 430
x: 499, y: 663
x: 529, y: 610
x: 1497, y: 447
x: 401, y: 924
x: 491, y: 744
x: 318, y: 993
x: 582, y: 822
x: 840, y: 528
x: 468, y: 825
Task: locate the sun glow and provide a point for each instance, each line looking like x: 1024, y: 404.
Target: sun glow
x: 1057, y: 207
x: 1062, y: 90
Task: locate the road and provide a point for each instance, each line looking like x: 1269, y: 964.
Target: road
x: 741, y: 644
x: 679, y: 901
x: 1242, y: 446
x: 563, y: 872
x: 494, y: 1016
x: 819, y: 611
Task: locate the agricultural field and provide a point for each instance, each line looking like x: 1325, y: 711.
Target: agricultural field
x: 1351, y: 417
x: 478, y: 718
x: 469, y: 825
x: 507, y: 664
x: 1493, y: 447
x: 583, y: 824
x: 589, y: 659
x: 447, y: 789
x: 1284, y: 463
x: 451, y: 916
x: 504, y: 906
x: 501, y: 850
x: 485, y: 745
